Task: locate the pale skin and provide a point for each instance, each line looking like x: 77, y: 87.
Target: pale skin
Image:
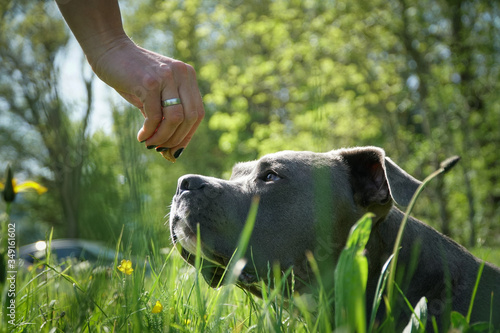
x: 144, y: 78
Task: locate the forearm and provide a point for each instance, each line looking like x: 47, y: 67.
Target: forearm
x: 96, y: 24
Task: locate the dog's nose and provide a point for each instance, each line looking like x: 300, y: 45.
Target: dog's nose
x: 190, y: 183
x: 209, y: 186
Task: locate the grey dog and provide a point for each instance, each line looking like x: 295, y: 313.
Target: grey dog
x: 309, y: 202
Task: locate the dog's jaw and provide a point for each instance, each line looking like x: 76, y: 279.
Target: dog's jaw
x: 214, y: 272
x: 185, y: 237
x: 214, y: 265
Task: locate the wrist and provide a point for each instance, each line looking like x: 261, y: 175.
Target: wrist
x: 97, y: 46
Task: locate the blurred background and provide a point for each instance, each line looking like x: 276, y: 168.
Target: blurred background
x: 418, y: 78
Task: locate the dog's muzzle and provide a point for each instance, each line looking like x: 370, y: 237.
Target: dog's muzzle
x: 194, y: 196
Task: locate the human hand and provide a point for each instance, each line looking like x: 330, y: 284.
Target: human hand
x: 145, y: 79
x: 142, y: 77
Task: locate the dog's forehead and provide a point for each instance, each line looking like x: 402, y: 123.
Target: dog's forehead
x: 291, y: 160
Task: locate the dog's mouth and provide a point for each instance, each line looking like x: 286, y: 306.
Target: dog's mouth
x: 214, y: 266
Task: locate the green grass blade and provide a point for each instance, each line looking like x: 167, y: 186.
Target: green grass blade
x: 476, y: 286
x: 444, y: 167
x: 379, y: 292
x: 351, y: 275
x: 117, y: 251
x: 236, y: 263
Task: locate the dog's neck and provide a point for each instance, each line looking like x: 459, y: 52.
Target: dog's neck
x: 430, y: 265
x: 420, y: 243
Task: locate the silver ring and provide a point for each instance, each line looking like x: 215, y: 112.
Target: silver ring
x: 171, y: 101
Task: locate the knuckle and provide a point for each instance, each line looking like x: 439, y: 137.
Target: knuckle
x: 166, y: 73
x: 150, y: 82
x: 178, y: 65
x: 194, y: 116
x: 155, y: 118
x: 190, y: 70
x: 175, y: 142
x: 175, y: 116
x: 180, y: 68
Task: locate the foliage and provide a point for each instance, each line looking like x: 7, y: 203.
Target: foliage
x: 317, y: 75
x: 313, y: 75
x: 39, y: 130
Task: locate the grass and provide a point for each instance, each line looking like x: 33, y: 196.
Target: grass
x: 71, y: 297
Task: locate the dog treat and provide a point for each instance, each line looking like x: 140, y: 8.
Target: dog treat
x: 167, y: 154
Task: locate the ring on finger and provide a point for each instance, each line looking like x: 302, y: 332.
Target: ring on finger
x: 170, y: 102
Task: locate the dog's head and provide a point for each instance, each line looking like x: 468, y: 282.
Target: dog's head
x: 307, y: 202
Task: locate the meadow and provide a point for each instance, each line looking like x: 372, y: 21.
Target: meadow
x: 419, y: 79
x: 159, y: 292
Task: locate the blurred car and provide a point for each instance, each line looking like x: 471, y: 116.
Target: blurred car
x: 64, y: 249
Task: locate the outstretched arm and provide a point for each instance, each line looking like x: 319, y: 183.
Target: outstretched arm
x: 142, y: 77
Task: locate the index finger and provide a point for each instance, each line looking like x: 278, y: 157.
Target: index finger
x: 153, y: 117
x: 151, y: 108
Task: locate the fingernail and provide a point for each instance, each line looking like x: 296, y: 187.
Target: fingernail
x: 151, y: 147
x: 178, y: 153
x: 160, y: 149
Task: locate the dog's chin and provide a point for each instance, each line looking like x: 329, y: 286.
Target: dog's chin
x: 212, y: 272
x: 213, y: 267
x: 213, y: 264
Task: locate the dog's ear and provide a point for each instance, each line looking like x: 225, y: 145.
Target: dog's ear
x: 401, y: 184
x: 375, y: 179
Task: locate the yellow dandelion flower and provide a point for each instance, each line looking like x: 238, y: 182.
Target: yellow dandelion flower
x: 157, y: 308
x: 187, y: 321
x: 126, y: 267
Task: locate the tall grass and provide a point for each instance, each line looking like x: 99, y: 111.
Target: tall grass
x: 71, y: 297
x: 164, y: 294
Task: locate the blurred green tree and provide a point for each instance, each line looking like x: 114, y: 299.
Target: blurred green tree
x: 37, y: 125
x: 418, y: 78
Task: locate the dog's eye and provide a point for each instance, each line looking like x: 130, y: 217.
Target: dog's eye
x: 271, y: 176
